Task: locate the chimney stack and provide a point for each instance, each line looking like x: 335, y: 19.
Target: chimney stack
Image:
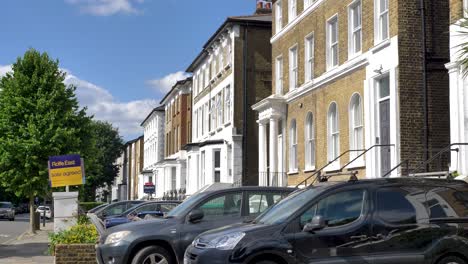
x: 264, y: 7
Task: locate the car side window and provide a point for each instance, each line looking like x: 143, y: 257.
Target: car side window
x: 337, y: 209
x: 118, y: 209
x: 401, y: 205
x: 257, y: 203
x: 221, y: 206
x: 445, y: 202
x: 167, y: 207
x: 148, y: 207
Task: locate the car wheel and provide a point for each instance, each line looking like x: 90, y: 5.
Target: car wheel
x: 153, y: 255
x: 451, y: 260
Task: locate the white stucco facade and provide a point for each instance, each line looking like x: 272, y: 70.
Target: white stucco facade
x: 215, y: 154
x: 153, y: 127
x: 458, y: 103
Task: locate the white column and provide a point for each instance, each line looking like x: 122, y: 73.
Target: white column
x: 273, y: 147
x: 455, y: 125
x: 262, y: 154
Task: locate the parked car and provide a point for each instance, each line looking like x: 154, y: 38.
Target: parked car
x: 406, y: 220
x: 7, y: 211
x: 97, y: 208
x: 165, y: 240
x: 41, y: 209
x: 140, y: 211
x: 115, y: 209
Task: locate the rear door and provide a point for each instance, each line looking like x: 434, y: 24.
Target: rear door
x: 219, y: 210
x: 401, y: 230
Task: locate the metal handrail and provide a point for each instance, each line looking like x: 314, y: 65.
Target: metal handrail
x: 365, y: 151
x: 328, y: 164
x: 396, y: 167
x: 444, y: 150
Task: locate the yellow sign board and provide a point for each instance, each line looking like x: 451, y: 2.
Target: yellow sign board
x: 66, y: 170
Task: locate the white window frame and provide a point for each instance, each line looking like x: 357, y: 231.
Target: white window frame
x: 279, y: 75
x: 308, y: 3
x: 293, y: 67
x: 333, y: 133
x: 227, y: 104
x: 293, y: 147
x: 278, y: 16
x: 309, y: 50
x: 309, y: 136
x: 207, y: 118
x: 356, y: 126
x: 331, y: 45
x: 292, y: 10
x: 213, y: 114
x: 354, y: 30
x: 378, y: 14
x: 219, y: 107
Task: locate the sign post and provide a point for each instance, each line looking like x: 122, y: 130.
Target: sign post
x: 65, y: 171
x: 149, y: 188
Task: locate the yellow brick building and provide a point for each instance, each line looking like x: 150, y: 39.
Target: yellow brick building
x: 342, y: 85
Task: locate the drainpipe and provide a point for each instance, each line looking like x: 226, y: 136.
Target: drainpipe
x: 244, y: 126
x: 424, y: 75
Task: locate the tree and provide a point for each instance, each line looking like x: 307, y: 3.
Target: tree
x: 39, y: 117
x: 101, y: 171
x: 463, y: 55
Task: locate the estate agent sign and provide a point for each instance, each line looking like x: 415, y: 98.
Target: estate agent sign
x: 66, y: 170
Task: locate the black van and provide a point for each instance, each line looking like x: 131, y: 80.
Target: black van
x: 165, y: 240
x: 398, y: 220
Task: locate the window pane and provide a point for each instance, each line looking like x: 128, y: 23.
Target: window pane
x: 226, y: 205
x: 394, y: 206
x: 384, y: 26
x: 257, y: 203
x: 384, y: 87
x: 217, y: 158
x: 338, y: 209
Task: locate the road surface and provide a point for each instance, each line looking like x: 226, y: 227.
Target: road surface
x: 11, y: 230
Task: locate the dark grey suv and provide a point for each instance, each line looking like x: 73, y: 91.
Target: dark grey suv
x: 165, y: 240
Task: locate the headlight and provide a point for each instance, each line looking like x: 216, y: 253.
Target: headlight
x: 226, y: 242
x: 116, y: 237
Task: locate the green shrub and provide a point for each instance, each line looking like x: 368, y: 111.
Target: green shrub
x: 78, y: 234
x: 83, y: 220
x: 86, y: 206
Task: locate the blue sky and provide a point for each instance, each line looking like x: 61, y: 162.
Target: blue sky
x: 121, y: 54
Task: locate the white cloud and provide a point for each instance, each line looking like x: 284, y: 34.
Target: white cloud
x: 165, y: 83
x: 107, y: 7
x: 4, y: 70
x: 126, y: 116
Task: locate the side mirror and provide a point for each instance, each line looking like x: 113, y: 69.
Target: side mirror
x: 195, y: 216
x: 317, y: 223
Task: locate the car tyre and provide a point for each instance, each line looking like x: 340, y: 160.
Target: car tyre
x: 452, y: 260
x: 153, y: 255
x: 12, y: 219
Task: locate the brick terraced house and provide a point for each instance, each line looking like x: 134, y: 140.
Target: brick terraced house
x: 458, y: 90
x: 232, y: 72
x: 172, y: 170
x: 349, y: 76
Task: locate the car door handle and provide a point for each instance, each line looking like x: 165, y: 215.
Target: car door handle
x: 362, y: 237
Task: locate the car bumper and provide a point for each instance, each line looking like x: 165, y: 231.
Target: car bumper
x: 195, y: 255
x: 112, y: 254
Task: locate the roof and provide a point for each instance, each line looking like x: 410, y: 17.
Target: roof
x: 157, y: 109
x: 178, y: 83
x: 250, y: 20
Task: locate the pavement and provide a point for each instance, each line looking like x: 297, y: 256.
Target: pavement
x: 27, y: 248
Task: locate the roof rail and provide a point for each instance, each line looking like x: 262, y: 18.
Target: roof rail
x: 435, y: 174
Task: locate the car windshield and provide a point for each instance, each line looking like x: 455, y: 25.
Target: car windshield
x: 5, y: 205
x: 288, y: 206
x: 132, y: 209
x: 181, y: 208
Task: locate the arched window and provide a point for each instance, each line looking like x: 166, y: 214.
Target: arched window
x: 356, y: 130
x: 293, y: 147
x: 309, y: 142
x: 333, y: 132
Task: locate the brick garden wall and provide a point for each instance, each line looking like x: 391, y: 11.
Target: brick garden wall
x: 75, y: 254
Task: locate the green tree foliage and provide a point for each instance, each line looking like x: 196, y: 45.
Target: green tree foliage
x: 107, y: 147
x: 463, y: 55
x: 39, y: 117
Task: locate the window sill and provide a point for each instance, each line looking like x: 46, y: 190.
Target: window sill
x: 311, y: 169
x: 358, y: 164
x: 354, y: 55
x: 227, y: 124
x: 380, y: 45
x: 333, y: 167
x: 227, y: 66
x: 291, y: 173
x: 219, y: 75
x: 212, y: 133
x: 331, y: 68
x: 219, y: 129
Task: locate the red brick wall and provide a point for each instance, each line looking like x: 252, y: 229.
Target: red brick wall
x: 75, y: 254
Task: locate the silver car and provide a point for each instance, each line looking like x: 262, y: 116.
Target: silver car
x: 7, y: 211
